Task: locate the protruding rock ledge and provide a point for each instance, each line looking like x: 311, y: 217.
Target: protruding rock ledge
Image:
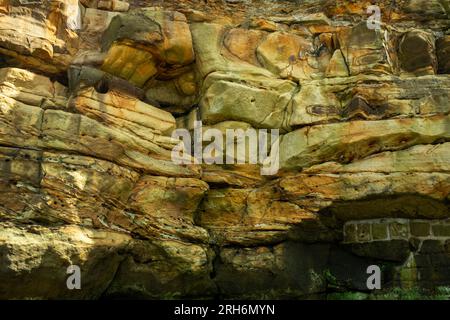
x: 350, y: 141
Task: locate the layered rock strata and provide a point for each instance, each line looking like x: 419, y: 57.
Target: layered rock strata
x: 91, y: 92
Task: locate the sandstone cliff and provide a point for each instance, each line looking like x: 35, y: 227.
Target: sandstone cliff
x: 91, y: 91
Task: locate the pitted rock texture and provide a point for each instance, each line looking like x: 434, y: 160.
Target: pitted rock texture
x: 91, y: 92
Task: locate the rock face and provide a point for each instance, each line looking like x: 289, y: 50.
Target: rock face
x: 92, y: 92
x: 40, y: 34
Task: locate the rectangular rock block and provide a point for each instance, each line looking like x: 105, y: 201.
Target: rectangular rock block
x: 419, y: 229
x: 380, y: 231
x: 441, y: 230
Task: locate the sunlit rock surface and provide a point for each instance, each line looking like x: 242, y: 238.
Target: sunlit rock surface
x: 91, y: 92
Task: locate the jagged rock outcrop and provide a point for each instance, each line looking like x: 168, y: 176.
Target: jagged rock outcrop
x: 91, y: 93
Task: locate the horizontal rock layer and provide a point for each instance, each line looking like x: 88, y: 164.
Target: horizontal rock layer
x: 92, y: 91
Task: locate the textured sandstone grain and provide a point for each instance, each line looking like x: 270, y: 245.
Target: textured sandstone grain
x: 91, y: 90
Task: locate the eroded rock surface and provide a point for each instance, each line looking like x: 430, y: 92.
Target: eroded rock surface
x: 91, y: 92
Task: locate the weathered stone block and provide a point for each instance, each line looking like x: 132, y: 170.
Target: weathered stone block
x: 43, y: 37
x: 260, y: 101
x: 323, y: 101
x: 399, y: 230
x: 364, y: 148
x: 363, y: 50
x: 394, y: 250
x: 432, y: 246
x: 440, y: 259
x: 349, y: 141
x: 350, y: 232
x: 419, y: 229
x: 289, y: 56
x: 379, y: 231
x: 443, y: 53
x: 422, y: 260
x: 417, y: 53
x: 141, y: 42
x: 441, y: 230
x: 363, y: 232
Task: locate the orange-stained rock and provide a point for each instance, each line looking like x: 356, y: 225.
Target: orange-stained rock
x: 364, y: 50
x: 147, y: 42
x: 337, y: 66
x: 135, y: 65
x: 288, y: 56
x: 243, y: 43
